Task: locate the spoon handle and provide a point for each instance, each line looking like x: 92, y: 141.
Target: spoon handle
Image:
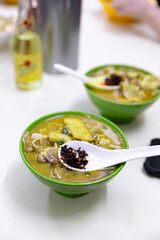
x: 135, y: 153
x: 69, y: 71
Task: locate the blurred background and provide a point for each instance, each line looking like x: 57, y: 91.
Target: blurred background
x: 39, y: 33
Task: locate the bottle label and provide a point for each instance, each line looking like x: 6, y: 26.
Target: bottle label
x: 27, y: 67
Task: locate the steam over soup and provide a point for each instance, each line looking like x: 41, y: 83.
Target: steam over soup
x: 42, y: 143
x: 135, y: 86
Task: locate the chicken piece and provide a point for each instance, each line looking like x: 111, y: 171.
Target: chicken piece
x: 40, y: 158
x: 50, y: 155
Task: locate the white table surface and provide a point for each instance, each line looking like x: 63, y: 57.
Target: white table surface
x: 126, y: 208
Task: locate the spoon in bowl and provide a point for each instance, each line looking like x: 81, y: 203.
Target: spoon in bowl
x: 100, y: 158
x: 94, y: 82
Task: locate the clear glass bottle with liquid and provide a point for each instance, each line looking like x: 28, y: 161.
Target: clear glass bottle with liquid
x: 27, y: 51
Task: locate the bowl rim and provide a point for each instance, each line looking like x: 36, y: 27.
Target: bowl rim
x: 120, y: 103
x: 78, y: 113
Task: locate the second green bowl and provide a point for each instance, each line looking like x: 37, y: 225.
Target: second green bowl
x: 115, y: 111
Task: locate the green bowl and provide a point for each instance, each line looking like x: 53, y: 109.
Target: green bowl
x: 64, y: 188
x: 118, y: 112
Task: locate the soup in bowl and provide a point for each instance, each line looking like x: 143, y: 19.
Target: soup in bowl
x: 41, y: 141
x: 138, y: 89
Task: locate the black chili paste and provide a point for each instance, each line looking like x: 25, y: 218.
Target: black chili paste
x: 74, y: 158
x: 114, y: 79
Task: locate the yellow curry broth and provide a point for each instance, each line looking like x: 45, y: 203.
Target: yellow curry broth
x: 113, y: 96
x: 101, y: 134
x: 66, y: 175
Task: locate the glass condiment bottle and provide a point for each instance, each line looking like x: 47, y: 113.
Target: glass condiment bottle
x: 27, y: 51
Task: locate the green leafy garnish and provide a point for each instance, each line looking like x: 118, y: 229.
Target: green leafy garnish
x: 105, y: 127
x: 60, y: 142
x: 65, y: 131
x: 87, y: 173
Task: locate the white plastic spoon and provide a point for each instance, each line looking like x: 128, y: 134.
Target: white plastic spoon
x: 99, y: 158
x: 94, y: 82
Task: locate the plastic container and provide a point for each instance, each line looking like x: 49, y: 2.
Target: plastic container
x: 113, y: 16
x: 11, y: 1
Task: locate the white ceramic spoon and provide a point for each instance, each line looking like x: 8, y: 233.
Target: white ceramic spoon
x: 99, y: 158
x: 94, y: 82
